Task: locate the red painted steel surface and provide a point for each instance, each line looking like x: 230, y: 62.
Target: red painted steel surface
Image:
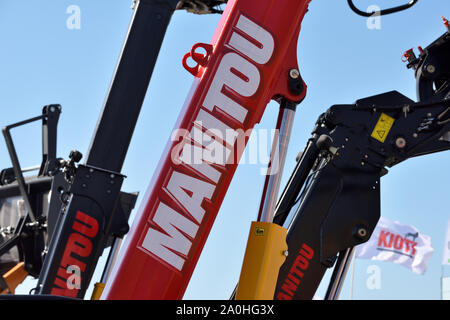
x: 253, y: 49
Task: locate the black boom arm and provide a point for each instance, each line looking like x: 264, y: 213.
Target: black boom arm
x: 335, y: 185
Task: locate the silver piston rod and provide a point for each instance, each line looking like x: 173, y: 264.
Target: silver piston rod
x: 277, y: 160
x: 276, y: 163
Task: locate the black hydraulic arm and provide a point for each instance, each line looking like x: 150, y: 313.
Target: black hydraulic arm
x: 132, y: 76
x: 334, y: 191
x: 95, y: 186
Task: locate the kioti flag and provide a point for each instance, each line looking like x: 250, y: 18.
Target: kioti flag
x: 398, y: 243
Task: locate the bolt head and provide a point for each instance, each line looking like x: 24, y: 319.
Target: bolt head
x: 294, y: 73
x: 400, y: 142
x: 431, y: 68
x: 362, y: 232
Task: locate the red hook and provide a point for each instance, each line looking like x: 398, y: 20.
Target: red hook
x: 201, y: 58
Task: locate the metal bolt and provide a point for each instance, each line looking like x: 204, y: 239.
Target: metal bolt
x: 112, y: 175
x: 431, y: 68
x: 400, y: 142
x: 108, y: 191
x: 84, y: 185
x: 294, y: 73
x: 52, y: 109
x: 285, y: 253
x: 415, y: 135
x: 362, y: 232
x: 65, y: 197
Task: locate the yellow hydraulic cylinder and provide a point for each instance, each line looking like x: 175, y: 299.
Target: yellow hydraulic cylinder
x: 98, y: 290
x: 14, y: 277
x: 265, y: 253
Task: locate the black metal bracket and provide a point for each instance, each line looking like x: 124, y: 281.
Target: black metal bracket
x: 97, y: 183
x: 33, y: 221
x: 50, y: 117
x: 201, y: 6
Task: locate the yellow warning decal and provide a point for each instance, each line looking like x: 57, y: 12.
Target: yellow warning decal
x: 259, y: 231
x: 382, y: 128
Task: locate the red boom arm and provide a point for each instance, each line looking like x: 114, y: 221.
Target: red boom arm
x: 246, y: 65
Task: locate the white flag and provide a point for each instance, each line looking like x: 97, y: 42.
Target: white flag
x: 446, y: 256
x: 398, y: 243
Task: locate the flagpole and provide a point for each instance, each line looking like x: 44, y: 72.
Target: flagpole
x: 442, y: 279
x: 353, y: 274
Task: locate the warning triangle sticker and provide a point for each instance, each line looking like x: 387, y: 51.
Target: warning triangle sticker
x: 381, y: 133
x: 382, y: 128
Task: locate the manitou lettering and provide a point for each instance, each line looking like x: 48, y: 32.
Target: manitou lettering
x: 239, y: 74
x: 190, y: 192
x: 260, y: 52
x: 164, y: 245
x: 245, y: 84
x: 388, y: 241
x: 78, y: 247
x: 171, y: 233
x: 296, y: 273
x: 214, y: 151
x: 209, y: 122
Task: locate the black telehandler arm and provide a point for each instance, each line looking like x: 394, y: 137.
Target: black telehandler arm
x: 335, y: 186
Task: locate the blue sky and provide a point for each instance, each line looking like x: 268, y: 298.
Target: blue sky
x: 340, y: 58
